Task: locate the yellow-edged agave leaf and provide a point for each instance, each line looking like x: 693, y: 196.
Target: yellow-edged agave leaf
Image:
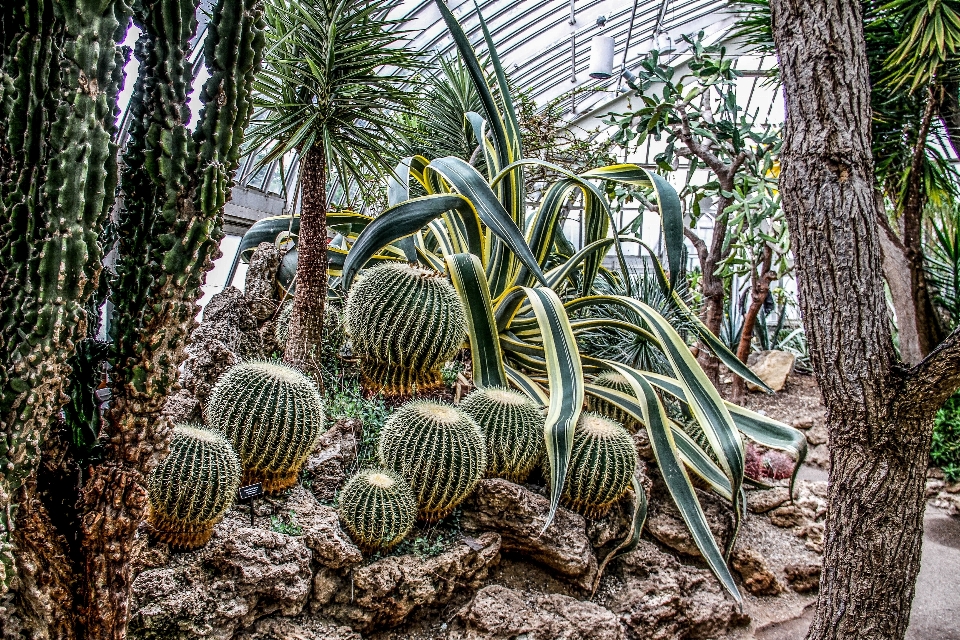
x: 714, y: 343
x: 566, y: 386
x: 480, y: 132
x: 561, y: 272
x: 510, y: 243
x: 528, y: 385
x: 468, y: 278
x: 447, y: 241
x: 761, y: 429
x: 668, y: 201
x: 266, y: 230
x: 650, y: 412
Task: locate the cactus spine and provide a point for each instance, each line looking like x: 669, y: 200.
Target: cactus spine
x: 512, y: 427
x: 615, y: 381
x: 192, y: 488
x: 59, y: 77
x: 602, y: 464
x: 440, y: 452
x: 404, y: 322
x: 377, y: 508
x: 273, y: 415
x: 174, y: 186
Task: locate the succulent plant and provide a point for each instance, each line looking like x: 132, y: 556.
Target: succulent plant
x: 601, y: 467
x: 378, y: 509
x: 192, y: 488
x: 438, y: 449
x: 273, y: 414
x: 404, y: 322
x: 512, y: 427
x: 615, y: 381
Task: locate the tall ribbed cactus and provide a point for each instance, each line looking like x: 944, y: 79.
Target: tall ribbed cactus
x: 404, y: 321
x: 59, y: 77
x: 174, y: 186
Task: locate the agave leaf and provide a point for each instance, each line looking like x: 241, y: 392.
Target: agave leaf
x: 528, y: 385
x: 650, y: 412
x: 467, y: 276
x: 671, y: 213
x: 397, y: 222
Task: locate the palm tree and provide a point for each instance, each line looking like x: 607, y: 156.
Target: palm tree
x: 335, y: 75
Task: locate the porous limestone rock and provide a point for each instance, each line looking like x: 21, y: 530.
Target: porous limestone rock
x: 772, y: 367
x: 500, y: 613
x: 518, y: 515
x: 658, y: 598
x: 296, y: 629
x: 766, y: 500
x: 321, y: 531
x: 242, y: 575
x: 385, y: 592
x: 817, y: 435
x: 803, y: 578
x: 665, y: 523
x: 227, y: 334
x: 326, y: 468
x: 259, y: 285
x: 757, y: 577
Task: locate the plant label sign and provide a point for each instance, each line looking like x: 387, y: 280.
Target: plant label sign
x: 248, y: 494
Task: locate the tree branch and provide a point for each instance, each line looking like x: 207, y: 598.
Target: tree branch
x: 697, y: 243
x: 700, y: 150
x: 937, y: 376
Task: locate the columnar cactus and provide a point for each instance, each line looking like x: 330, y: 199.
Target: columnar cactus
x: 192, y: 488
x: 512, y: 427
x: 440, y: 452
x: 174, y: 186
x: 378, y: 509
x: 273, y: 415
x: 602, y: 464
x: 60, y: 71
x: 404, y: 321
x: 615, y: 381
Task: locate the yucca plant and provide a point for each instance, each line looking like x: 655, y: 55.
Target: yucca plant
x: 475, y: 228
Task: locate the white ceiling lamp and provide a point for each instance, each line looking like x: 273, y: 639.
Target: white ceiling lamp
x: 601, y: 54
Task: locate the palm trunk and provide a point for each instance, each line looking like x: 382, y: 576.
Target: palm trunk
x: 879, y: 415
x: 305, y: 335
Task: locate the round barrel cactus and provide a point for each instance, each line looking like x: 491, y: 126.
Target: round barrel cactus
x: 378, y: 509
x: 617, y: 382
x: 404, y: 322
x: 192, y: 488
x: 602, y: 465
x: 438, y: 449
x: 273, y: 414
x: 512, y: 427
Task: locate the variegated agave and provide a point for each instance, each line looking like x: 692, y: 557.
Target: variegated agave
x: 474, y: 228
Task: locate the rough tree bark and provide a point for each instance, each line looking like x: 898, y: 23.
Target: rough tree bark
x: 879, y: 413
x: 305, y: 335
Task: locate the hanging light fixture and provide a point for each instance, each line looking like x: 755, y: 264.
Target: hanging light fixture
x: 601, y: 54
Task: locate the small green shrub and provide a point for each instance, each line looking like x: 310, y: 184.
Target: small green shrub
x: 945, y: 450
x: 286, y: 525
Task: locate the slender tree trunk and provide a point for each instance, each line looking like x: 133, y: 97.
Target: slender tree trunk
x: 305, y: 335
x: 896, y: 271
x: 879, y: 414
x: 760, y: 288
x: 711, y: 285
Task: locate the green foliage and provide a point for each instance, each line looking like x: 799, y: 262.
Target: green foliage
x: 942, y: 260
x: 347, y: 400
x: 945, y: 452
x: 378, y: 509
x: 288, y: 525
x: 439, y: 450
x: 404, y: 322
x: 192, y: 488
x: 615, y: 381
x: 602, y: 465
x: 274, y: 416
x: 512, y: 427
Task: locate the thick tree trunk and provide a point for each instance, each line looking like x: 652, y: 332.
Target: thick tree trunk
x: 879, y: 414
x: 305, y: 335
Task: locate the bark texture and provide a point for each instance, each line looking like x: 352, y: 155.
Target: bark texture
x: 305, y: 334
x: 879, y: 413
x: 761, y: 278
